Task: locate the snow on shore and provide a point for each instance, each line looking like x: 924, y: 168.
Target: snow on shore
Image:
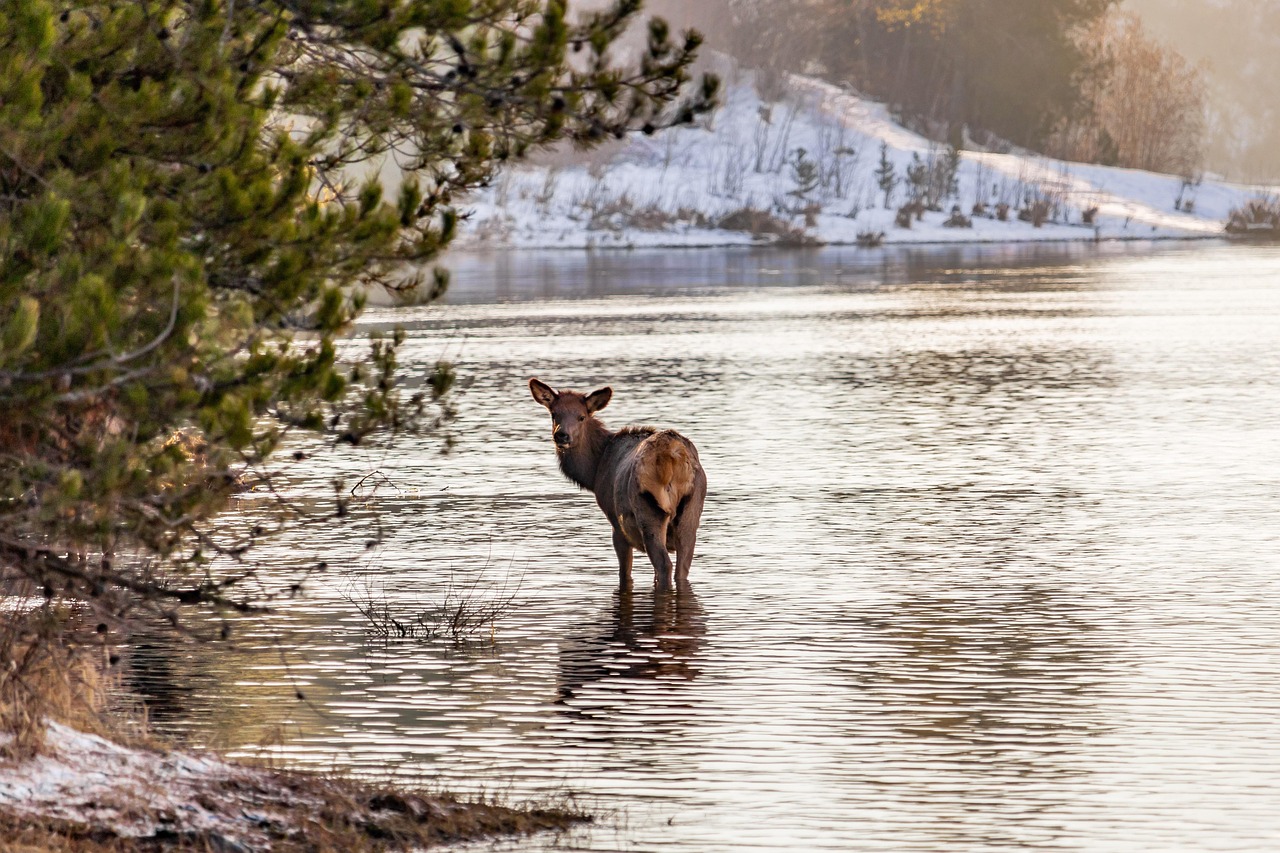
x: 681, y: 187
x: 84, y: 786
x: 134, y: 792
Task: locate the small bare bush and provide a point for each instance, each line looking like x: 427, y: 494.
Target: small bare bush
x: 729, y: 170
x: 465, y: 611
x: 1036, y: 212
x: 764, y: 225
x: 772, y: 136
x: 912, y: 210
x: 548, y: 190
x: 1259, y: 219
x: 957, y: 220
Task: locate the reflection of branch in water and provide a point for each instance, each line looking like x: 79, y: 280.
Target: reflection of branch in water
x: 638, y: 645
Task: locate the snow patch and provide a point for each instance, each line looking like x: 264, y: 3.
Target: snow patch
x: 86, y: 779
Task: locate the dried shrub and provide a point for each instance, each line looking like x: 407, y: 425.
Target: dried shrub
x: 911, y: 210
x: 957, y: 220
x: 764, y: 225
x: 1037, y: 212
x: 1259, y: 219
x: 466, y: 611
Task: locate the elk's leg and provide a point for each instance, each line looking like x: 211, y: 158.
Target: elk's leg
x: 623, y: 548
x: 685, y: 542
x: 686, y: 537
x: 655, y: 545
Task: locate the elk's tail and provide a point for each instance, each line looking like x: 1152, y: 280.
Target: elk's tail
x: 664, y: 469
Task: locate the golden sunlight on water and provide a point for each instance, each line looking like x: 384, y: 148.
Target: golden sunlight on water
x: 989, y: 561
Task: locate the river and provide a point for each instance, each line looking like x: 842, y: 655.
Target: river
x: 990, y: 559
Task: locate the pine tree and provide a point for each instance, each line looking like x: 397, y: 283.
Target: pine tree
x: 805, y: 174
x: 886, y: 176
x: 918, y: 177
x: 189, y: 220
x: 950, y: 173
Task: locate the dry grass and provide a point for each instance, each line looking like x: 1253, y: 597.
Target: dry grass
x: 1259, y: 219
x: 51, y: 668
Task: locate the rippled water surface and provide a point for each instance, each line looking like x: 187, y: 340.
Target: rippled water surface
x: 991, y: 559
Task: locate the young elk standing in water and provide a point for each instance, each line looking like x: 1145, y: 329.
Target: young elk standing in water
x: 648, y: 482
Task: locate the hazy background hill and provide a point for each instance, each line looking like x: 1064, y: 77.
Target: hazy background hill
x: 1238, y: 41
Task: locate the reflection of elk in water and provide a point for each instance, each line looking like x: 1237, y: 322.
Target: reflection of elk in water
x: 648, y: 482
x: 636, y: 645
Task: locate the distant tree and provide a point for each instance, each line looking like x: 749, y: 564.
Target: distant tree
x: 886, y: 175
x: 194, y: 198
x: 1147, y: 105
x: 804, y: 172
x: 917, y: 178
x: 1149, y: 109
x: 951, y: 172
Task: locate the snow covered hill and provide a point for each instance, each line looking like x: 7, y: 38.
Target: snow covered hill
x: 805, y: 171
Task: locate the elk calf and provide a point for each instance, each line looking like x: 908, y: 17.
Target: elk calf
x: 648, y: 482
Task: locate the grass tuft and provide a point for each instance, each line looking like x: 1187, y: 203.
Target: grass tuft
x: 49, y: 670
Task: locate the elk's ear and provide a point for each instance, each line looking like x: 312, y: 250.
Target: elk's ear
x: 542, y: 392
x: 597, y: 400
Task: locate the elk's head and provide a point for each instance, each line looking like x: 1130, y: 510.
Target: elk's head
x: 572, y: 413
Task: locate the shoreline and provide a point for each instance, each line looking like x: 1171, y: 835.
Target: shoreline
x: 489, y: 249
x: 85, y: 792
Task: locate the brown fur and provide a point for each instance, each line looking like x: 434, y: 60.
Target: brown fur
x: 664, y: 469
